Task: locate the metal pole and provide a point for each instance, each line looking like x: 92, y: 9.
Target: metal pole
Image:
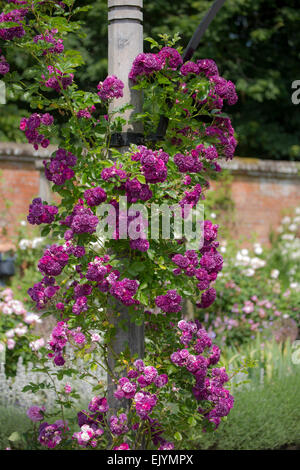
x: 197, y: 36
x: 125, y: 42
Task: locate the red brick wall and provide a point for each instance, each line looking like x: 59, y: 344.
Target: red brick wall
x: 19, y: 183
x: 260, y: 203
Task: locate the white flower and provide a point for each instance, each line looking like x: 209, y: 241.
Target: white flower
x: 297, y: 210
x: 258, y: 249
x: 31, y: 318
x: 286, y: 220
x: 95, y: 337
x: 21, y: 330
x: 296, y: 220
x: 213, y: 215
x: 275, y: 273
x: 223, y: 249
x: 10, y: 333
x: 86, y: 433
x: 36, y: 242
x: 293, y: 227
x: 7, y: 310
x: 37, y: 344
x: 257, y: 263
x: 23, y: 223
x: 294, y: 285
x: 23, y: 244
x: 11, y: 344
x: 288, y: 236
x: 242, y: 257
x: 286, y: 316
x: 249, y: 272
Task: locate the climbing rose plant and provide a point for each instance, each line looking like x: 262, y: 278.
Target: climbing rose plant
x: 87, y: 276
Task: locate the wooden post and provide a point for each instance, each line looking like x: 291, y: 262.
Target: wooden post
x: 125, y: 42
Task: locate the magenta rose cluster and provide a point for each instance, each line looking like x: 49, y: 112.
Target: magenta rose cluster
x: 95, y: 196
x: 50, y: 435
x: 59, y: 169
x: 111, y: 88
x: 57, y: 80
x: 94, y: 422
x: 190, y: 162
x: 4, y: 65
x: 170, y: 302
x: 60, y: 336
x: 224, y: 133
x: 40, y: 213
x: 53, y: 261
x: 14, y: 16
x: 141, y: 386
x: 147, y: 64
x: 132, y: 188
x: 137, y: 387
x: 86, y: 113
x: 153, y: 167
x: 42, y: 292
x: 198, y: 358
x: 153, y: 164
x: 31, y: 125
x: 108, y: 281
x: 57, y: 46
x: 205, y: 268
x: 81, y: 220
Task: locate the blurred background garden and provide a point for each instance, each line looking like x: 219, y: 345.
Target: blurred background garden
x: 256, y: 316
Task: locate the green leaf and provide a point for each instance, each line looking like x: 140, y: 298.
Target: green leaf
x: 141, y: 179
x: 178, y: 436
x: 136, y: 267
x: 192, y: 422
x: 14, y: 437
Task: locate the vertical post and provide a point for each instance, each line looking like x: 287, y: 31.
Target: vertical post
x: 125, y: 42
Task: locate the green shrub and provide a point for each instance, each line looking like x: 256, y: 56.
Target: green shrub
x: 267, y: 417
x: 12, y: 420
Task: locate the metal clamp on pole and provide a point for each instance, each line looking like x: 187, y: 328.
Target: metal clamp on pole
x: 124, y: 139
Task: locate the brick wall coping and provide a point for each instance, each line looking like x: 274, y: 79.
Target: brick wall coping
x: 10, y: 151
x: 263, y: 168
x: 239, y: 165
